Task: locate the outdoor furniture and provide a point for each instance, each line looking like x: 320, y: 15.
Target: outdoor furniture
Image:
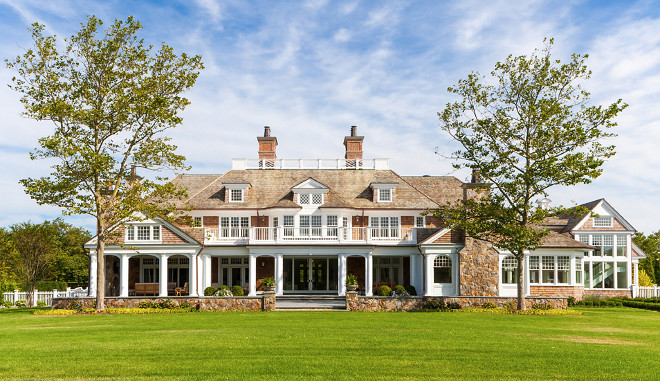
x: 171, y: 288
x: 146, y: 289
x: 181, y: 290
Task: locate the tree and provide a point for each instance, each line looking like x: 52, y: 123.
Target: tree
x: 70, y: 263
x: 110, y: 98
x: 527, y: 132
x: 651, y: 246
x: 33, y: 249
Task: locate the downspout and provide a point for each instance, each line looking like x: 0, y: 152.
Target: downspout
x: 423, y: 270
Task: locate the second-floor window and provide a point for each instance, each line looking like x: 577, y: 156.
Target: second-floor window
x: 143, y: 233
x: 197, y: 222
x: 603, y: 222
x: 384, y: 195
x: 385, y: 227
x: 607, y: 245
x: 234, y: 227
x: 310, y: 199
x: 236, y: 195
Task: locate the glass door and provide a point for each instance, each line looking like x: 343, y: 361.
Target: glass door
x: 310, y: 274
x: 318, y: 274
x: 301, y: 274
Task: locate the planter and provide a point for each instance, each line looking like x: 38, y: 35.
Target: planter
x: 270, y: 288
x: 351, y: 287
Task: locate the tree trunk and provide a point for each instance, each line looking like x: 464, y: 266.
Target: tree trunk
x: 520, y: 256
x: 100, y: 272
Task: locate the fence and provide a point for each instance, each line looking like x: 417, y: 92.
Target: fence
x: 646, y: 292
x: 44, y: 296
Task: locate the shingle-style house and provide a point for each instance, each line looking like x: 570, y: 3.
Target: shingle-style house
x: 310, y: 223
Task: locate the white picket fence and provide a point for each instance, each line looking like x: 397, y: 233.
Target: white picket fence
x: 44, y: 296
x: 646, y: 292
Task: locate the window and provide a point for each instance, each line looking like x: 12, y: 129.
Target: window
x: 384, y: 195
x: 621, y: 278
x: 563, y: 269
x: 578, y: 270
x: 143, y: 233
x: 534, y: 269
x: 150, y: 273
x: 234, y: 227
x: 234, y: 271
x: 548, y: 269
x: 385, y: 227
x: 509, y: 270
x: 197, y: 222
x: 177, y: 271
x: 304, y: 198
x: 316, y: 226
x: 317, y: 199
x: 236, y: 195
x: 332, y: 225
x: 597, y: 241
x: 310, y: 198
x: 288, y: 226
x: 442, y: 269
x: 608, y: 245
x: 603, y: 222
x: 553, y: 269
x: 304, y: 226
x: 388, y: 269
x: 621, y: 245
x: 419, y: 222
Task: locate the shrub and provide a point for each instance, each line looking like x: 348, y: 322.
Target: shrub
x: 237, y: 290
x: 77, y: 306
x: 168, y: 304
x: 351, y: 280
x: 571, y: 301
x: 411, y: 290
x: 6, y: 304
x: 147, y: 304
x: 454, y: 306
x: 20, y: 304
x: 184, y: 305
x: 400, y: 291
x: 643, y: 305
x: 511, y: 306
x: 209, y: 291
x: 223, y: 291
x: 384, y: 290
x: 49, y: 285
x: 435, y: 305
x: 543, y: 305
x: 41, y: 304
x: 268, y: 282
x: 488, y: 305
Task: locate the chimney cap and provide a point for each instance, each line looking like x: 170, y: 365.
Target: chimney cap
x: 266, y: 131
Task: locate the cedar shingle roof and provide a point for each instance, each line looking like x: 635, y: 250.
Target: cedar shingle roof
x: 441, y: 189
x: 347, y: 189
x: 574, y: 220
x: 562, y: 240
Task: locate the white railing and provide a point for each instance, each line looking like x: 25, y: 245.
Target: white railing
x: 241, y: 164
x: 320, y: 234
x: 44, y: 296
x: 646, y: 292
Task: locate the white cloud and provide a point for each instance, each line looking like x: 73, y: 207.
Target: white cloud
x: 342, y: 35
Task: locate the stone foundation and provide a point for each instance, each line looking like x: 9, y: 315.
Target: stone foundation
x: 415, y: 303
x: 265, y: 302
x: 610, y: 293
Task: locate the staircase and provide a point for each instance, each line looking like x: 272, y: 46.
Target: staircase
x: 310, y: 303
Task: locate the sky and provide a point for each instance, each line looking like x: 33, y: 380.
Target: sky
x: 312, y: 69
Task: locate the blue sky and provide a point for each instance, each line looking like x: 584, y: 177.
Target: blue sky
x: 311, y: 69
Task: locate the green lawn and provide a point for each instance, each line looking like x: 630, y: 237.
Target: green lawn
x: 602, y: 343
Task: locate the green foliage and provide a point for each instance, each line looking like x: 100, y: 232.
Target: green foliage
x: 110, y: 98
x: 400, y: 291
x: 351, y: 280
x: 384, y: 290
x: 599, y: 303
x: 529, y: 131
x: 237, y: 290
x: 48, y: 285
x: 650, y: 245
x: 268, y: 282
x: 489, y: 305
x: 411, y: 290
x: 41, y: 304
x: 571, y: 302
x: 435, y: 305
x: 209, y: 291
x: 541, y: 306
x: 224, y: 291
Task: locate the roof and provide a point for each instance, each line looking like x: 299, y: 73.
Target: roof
x: 347, y: 189
x: 637, y: 251
x: 440, y: 189
x: 574, y: 220
x: 562, y: 240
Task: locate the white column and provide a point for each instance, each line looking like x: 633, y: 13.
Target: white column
x: 635, y: 275
x: 162, y: 269
x: 279, y: 274
x: 368, y: 275
x: 92, y: 274
x: 206, y: 268
x: 341, y: 266
x: 253, y: 275
x: 526, y: 275
x: 428, y: 275
x: 123, y: 275
x: 413, y: 271
x: 192, y: 283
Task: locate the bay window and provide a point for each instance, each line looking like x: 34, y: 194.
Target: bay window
x: 509, y: 270
x: 549, y: 269
x: 442, y: 269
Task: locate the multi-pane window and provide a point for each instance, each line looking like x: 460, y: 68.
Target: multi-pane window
x: 621, y: 245
x: 317, y: 198
x: 553, y: 269
x: 384, y: 195
x: 419, y: 221
x: 143, y: 233
x: 150, y: 273
x: 234, y: 227
x: 236, y: 195
x: 288, y: 226
x: 602, y: 275
x: 578, y: 270
x: 385, y: 227
x: 603, y: 222
x: 509, y: 270
x: 597, y: 240
x: 310, y: 198
x: 197, y: 222
x: 304, y: 198
x: 608, y: 245
x: 332, y: 226
x: 316, y: 226
x: 442, y: 269
x: 621, y: 277
x: 388, y: 269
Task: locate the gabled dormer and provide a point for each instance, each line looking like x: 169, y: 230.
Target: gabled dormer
x: 310, y: 193
x: 604, y: 217
x: 384, y: 192
x: 236, y: 190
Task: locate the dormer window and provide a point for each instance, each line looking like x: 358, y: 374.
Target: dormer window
x: 383, y: 192
x: 236, y: 195
x: 143, y: 233
x: 603, y: 222
x: 310, y: 193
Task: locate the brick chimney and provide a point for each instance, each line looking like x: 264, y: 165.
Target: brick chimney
x: 353, y: 145
x: 267, y: 145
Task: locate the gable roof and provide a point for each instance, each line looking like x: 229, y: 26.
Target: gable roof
x: 272, y: 188
x: 440, y: 189
x: 575, y: 222
x: 179, y: 230
x: 562, y: 240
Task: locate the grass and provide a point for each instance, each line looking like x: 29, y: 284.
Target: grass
x: 617, y: 343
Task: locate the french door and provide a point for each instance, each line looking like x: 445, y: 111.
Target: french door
x: 310, y: 274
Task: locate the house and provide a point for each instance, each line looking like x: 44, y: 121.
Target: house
x: 310, y: 222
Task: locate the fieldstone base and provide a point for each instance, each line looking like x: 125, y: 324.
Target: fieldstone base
x: 266, y: 302
x: 416, y: 303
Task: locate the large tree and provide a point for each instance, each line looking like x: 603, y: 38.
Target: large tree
x: 525, y: 129
x: 650, y: 244
x: 110, y: 98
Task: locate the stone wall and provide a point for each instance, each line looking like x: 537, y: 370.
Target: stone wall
x: 575, y: 291
x: 265, y: 302
x: 609, y: 293
x: 479, y: 269
x: 415, y: 303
